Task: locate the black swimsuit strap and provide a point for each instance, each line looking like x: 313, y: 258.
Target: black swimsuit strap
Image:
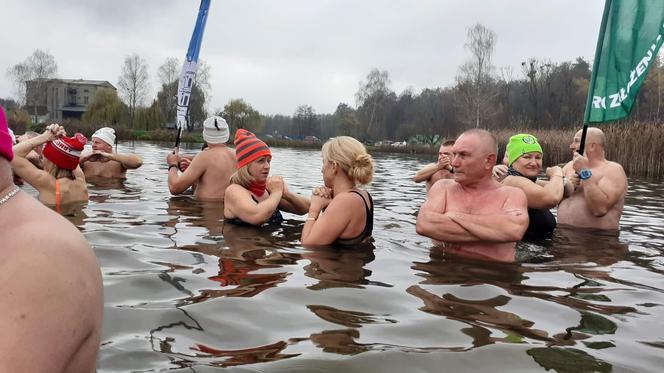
x: 368, y: 225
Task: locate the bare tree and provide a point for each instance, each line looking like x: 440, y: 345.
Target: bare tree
x: 481, y: 43
x: 371, y: 98
x: 134, y: 83
x: 169, y: 71
x: 39, y: 66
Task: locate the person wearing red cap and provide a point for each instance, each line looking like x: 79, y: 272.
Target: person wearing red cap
x: 46, y: 306
x: 253, y: 198
x: 61, y: 181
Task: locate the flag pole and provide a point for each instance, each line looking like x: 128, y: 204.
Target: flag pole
x: 589, y: 100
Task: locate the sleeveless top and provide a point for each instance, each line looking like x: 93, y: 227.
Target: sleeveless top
x: 275, y: 219
x: 542, y: 222
x: 365, y: 235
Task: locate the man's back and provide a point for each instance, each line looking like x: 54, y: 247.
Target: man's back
x: 575, y: 210
x: 52, y: 297
x: 218, y: 162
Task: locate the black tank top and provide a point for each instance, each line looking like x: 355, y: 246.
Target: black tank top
x: 365, y: 235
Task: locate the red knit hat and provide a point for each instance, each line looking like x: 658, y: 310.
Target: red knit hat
x: 66, y: 151
x: 249, y: 148
x: 5, y: 138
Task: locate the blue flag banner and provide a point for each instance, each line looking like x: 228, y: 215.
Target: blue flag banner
x: 188, y: 74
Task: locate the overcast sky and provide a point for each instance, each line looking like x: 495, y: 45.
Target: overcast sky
x: 278, y: 54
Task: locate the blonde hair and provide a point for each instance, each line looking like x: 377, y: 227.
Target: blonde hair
x: 242, y: 177
x: 351, y: 156
x: 57, y: 172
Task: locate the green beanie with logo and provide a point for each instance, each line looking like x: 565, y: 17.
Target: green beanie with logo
x: 521, y: 144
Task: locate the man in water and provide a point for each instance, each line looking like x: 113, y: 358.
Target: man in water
x: 103, y: 162
x: 598, y: 187
x: 210, y: 170
x: 51, y: 314
x: 439, y: 170
x: 473, y: 214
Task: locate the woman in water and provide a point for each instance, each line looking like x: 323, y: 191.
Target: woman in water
x: 524, y: 159
x: 252, y: 198
x: 61, y: 181
x: 347, y: 217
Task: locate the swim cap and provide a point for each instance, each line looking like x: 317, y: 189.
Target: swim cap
x: 249, y: 148
x: 521, y: 144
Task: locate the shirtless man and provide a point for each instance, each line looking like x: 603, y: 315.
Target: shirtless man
x: 103, y: 162
x: 474, y: 215
x: 51, y: 315
x: 597, y: 188
x: 439, y: 170
x: 210, y: 170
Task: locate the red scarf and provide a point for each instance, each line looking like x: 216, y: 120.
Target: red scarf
x: 257, y: 189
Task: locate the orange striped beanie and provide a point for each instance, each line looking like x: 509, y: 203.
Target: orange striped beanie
x: 249, y: 148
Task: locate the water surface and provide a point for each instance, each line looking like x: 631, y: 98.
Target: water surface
x: 185, y: 293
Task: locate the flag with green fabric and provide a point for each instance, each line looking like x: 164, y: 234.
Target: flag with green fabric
x: 630, y: 36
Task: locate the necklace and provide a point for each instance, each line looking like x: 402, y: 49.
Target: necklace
x: 9, y: 195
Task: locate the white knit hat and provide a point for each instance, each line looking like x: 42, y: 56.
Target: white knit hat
x: 105, y: 134
x: 215, y: 130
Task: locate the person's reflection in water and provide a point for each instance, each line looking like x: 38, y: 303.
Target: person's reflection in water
x: 447, y: 269
x: 338, y: 266
x: 572, y: 252
x: 208, y: 215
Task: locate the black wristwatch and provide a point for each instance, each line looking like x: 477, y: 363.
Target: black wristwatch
x: 585, y: 174
x: 171, y: 166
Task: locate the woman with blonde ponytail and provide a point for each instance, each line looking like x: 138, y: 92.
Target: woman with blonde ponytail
x: 341, y: 212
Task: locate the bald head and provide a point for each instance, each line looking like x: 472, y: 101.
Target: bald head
x: 486, y: 143
x: 594, y: 135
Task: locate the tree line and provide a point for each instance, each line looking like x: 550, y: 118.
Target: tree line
x: 541, y: 95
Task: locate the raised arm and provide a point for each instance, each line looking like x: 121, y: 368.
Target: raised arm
x: 601, y: 195
x: 178, y: 183
x: 128, y: 161
x: 426, y: 172
x: 544, y: 195
x: 293, y: 202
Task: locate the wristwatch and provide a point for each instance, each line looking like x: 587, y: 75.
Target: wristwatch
x: 585, y: 174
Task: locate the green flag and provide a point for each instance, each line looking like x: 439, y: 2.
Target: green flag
x: 629, y: 38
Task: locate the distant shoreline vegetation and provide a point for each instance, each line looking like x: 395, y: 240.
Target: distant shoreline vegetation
x: 636, y: 146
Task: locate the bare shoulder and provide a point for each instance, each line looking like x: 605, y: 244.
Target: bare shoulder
x: 441, y: 185
x: 235, y: 191
x: 512, y: 192
x: 616, y: 169
x: 515, y: 181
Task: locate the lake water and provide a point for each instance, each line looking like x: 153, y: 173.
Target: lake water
x: 183, y: 293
